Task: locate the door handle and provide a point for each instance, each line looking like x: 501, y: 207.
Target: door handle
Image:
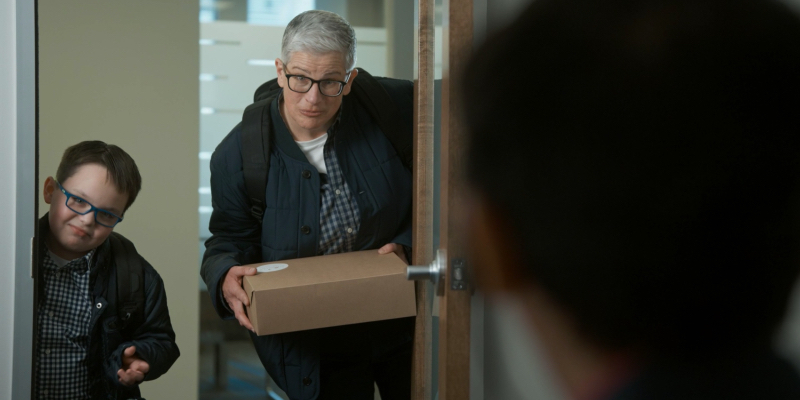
x: 434, y: 272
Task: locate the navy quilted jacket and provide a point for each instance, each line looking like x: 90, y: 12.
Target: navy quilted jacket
x: 154, y: 338
x: 290, y: 226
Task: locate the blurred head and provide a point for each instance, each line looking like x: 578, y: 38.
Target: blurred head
x: 317, y: 46
x: 638, y: 161
x: 91, y: 173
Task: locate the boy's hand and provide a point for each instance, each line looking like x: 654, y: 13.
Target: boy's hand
x: 234, y: 294
x: 133, y: 367
x: 396, y: 248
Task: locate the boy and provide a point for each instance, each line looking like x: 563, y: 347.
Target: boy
x: 84, y: 348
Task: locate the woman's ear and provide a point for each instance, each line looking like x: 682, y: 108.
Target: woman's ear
x: 495, y: 254
x: 349, y: 84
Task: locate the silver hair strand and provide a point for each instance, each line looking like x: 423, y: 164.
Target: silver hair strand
x: 320, y: 32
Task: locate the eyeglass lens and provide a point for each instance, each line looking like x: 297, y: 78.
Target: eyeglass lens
x: 81, y: 206
x: 302, y: 84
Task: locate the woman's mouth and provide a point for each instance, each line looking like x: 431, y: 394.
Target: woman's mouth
x: 310, y: 114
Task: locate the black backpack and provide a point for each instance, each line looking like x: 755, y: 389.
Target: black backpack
x: 257, y: 139
x: 130, y: 283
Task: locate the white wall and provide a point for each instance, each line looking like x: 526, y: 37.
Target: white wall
x: 17, y: 118
x: 8, y: 136
x: 126, y: 72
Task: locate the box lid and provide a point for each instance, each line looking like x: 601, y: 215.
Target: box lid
x: 325, y: 269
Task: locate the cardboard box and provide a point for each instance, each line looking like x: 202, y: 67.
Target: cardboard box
x: 332, y: 290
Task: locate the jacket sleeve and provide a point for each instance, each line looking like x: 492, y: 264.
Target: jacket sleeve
x: 154, y: 339
x: 404, y: 235
x: 402, y: 94
x: 235, y: 234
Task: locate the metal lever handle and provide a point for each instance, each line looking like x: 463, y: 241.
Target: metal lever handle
x: 417, y: 273
x: 434, y: 272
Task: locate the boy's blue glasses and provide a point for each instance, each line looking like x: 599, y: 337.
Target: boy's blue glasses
x: 80, y: 206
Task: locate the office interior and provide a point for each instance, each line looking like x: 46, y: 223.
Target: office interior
x: 166, y: 81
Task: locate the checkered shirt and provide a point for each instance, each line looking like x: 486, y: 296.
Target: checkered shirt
x: 63, y: 316
x: 339, y: 218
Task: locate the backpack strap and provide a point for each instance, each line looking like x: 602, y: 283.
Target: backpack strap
x: 257, y: 146
x: 129, y: 282
x: 372, y: 96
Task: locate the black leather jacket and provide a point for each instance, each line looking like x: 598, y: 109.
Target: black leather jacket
x: 154, y: 338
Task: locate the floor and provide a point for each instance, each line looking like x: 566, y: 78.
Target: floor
x: 246, y: 380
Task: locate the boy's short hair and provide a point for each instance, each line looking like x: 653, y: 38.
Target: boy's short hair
x: 646, y: 156
x: 121, y: 168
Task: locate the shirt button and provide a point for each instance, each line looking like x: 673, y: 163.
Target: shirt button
x: 349, y: 230
x: 51, y: 313
x: 306, y: 174
x: 99, y: 305
x: 338, y: 191
x: 47, y: 351
x: 44, y: 392
x: 305, y: 230
x: 307, y: 381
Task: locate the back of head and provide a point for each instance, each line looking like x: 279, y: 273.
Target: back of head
x: 646, y: 155
x: 121, y: 168
x: 320, y: 32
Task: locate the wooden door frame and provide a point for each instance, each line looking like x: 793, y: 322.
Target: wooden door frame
x: 422, y: 220
x: 454, y: 306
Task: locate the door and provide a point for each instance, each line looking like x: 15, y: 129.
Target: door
x: 442, y: 338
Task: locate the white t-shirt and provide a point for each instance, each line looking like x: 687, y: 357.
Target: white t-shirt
x: 313, y: 149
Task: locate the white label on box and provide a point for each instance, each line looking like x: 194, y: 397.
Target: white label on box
x: 271, y: 267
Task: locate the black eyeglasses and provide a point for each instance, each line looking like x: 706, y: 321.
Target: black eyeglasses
x: 327, y: 87
x: 80, y: 206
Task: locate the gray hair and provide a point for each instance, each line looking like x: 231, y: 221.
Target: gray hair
x: 320, y: 32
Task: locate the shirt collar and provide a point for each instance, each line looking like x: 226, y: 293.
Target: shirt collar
x: 81, y: 263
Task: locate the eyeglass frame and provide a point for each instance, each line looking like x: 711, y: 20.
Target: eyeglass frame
x: 91, y: 207
x: 313, y: 81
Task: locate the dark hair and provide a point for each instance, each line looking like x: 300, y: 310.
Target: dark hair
x: 645, y: 154
x: 121, y: 168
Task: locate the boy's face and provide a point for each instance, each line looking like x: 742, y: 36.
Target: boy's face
x: 73, y: 235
